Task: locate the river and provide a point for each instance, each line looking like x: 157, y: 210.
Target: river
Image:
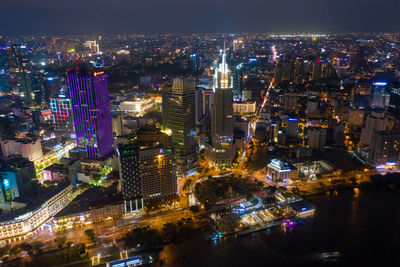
x: 363, y: 225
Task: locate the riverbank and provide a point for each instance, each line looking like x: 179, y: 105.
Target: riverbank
x: 351, y: 222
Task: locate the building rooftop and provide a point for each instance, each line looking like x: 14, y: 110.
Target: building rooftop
x: 281, y: 165
x: 95, y: 197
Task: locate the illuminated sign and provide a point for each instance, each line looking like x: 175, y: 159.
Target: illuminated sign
x: 46, y: 112
x: 380, y: 83
x: 61, y: 108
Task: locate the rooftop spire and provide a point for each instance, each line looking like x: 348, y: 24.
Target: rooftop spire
x: 223, y: 65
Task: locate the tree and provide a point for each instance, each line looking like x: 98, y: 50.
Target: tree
x: 15, y: 250
x: 37, y: 247
x: 90, y: 234
x: 4, y: 250
x: 25, y: 246
x: 186, y: 184
x: 60, y: 241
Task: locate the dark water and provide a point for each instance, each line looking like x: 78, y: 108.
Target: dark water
x: 363, y: 225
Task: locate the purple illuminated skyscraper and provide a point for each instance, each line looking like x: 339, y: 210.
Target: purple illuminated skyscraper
x: 91, y: 112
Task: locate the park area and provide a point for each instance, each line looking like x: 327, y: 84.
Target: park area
x: 213, y: 190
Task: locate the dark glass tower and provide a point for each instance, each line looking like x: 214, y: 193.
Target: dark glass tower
x: 21, y: 73
x: 91, y: 112
x: 179, y: 116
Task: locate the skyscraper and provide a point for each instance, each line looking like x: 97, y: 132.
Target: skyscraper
x: 91, y: 112
x: 221, y: 151
x: 380, y: 95
x: 179, y: 107
x: 146, y: 175
x: 316, y: 138
x: 21, y: 72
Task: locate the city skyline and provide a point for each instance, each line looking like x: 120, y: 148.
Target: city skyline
x: 158, y: 149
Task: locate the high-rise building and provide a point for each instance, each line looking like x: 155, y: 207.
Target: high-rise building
x: 374, y: 123
x: 146, y: 175
x: 62, y: 118
x: 179, y: 115
x: 380, y: 95
x: 91, y: 112
x: 290, y: 102
x: 221, y: 150
x: 316, y: 137
x: 21, y: 72
x: 385, y: 147
x: 291, y: 126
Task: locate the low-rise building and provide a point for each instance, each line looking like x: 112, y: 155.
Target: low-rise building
x: 24, y: 223
x: 281, y: 171
x: 96, y: 204
x: 27, y: 148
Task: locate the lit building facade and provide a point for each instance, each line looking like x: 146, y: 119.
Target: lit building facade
x: 146, y: 174
x: 384, y: 148
x: 62, y: 114
x: 380, y: 95
x: 23, y: 224
x: 17, y: 177
x: 244, y: 107
x: 27, y: 148
x: 91, y: 112
x: 281, y: 171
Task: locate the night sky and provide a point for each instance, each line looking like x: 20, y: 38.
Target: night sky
x: 196, y: 16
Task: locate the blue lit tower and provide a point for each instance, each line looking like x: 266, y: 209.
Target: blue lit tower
x: 380, y: 95
x: 91, y: 112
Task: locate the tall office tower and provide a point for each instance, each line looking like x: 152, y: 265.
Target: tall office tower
x: 221, y: 151
x: 338, y: 134
x: 290, y: 102
x: 316, y: 138
x: 60, y: 105
x: 283, y: 71
x: 194, y: 62
x: 385, y: 147
x: 380, y: 95
x: 91, y: 112
x: 146, y: 175
x: 237, y: 83
x: 179, y: 115
x: 20, y: 73
x: 291, y: 126
x: 374, y: 123
x: 17, y: 178
x: 129, y: 174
